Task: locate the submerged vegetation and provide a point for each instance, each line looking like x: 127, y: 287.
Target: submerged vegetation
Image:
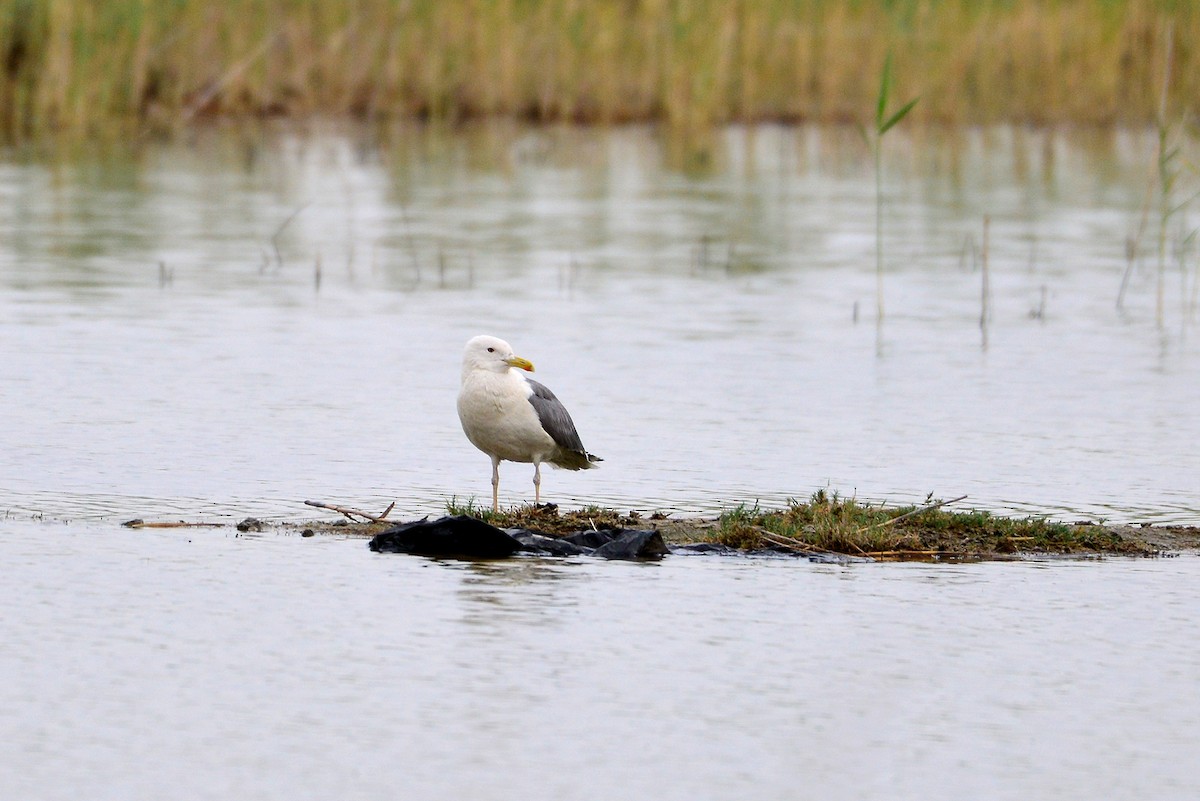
x: 83, y: 67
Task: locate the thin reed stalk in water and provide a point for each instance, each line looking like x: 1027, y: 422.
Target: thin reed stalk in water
x: 1183, y: 247
x: 1167, y: 173
x: 1131, y: 248
x: 1191, y: 305
x: 883, y: 124
x: 282, y: 226
x: 985, y: 298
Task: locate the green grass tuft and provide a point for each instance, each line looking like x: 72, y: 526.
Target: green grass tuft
x: 470, y: 508
x: 547, y: 519
x: 828, y: 522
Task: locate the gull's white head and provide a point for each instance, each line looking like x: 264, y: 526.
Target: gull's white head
x: 491, y: 353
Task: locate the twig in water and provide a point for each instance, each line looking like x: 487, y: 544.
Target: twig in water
x: 701, y: 256
x: 412, y: 245
x: 350, y: 514
x: 285, y: 224
x: 139, y: 523
x: 1040, y: 312
x: 1131, y: 246
x: 1183, y: 245
x: 572, y: 274
x: 985, y: 292
x: 1191, y: 315
x: 968, y: 249
x: 907, y: 553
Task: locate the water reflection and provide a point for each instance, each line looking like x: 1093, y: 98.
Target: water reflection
x: 712, y: 325
x: 526, y: 590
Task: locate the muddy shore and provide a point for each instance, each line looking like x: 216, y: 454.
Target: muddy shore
x: 1079, y: 539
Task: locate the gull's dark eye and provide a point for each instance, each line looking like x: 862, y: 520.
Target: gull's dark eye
x: 491, y: 350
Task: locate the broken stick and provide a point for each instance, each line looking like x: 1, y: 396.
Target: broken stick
x: 350, y: 514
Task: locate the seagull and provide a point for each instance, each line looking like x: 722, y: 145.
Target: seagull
x: 511, y: 417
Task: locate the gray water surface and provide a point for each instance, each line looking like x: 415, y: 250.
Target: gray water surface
x: 197, y: 664
x: 171, y: 347
x: 233, y: 323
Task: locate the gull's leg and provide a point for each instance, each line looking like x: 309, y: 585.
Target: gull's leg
x: 537, y: 483
x: 495, y: 483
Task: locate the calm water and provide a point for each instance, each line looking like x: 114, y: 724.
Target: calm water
x: 172, y: 349
x: 700, y: 325
x: 196, y: 664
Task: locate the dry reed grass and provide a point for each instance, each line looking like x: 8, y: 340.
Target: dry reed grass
x: 73, y: 66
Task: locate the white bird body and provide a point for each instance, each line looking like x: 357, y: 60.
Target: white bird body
x: 512, y: 418
x: 499, y: 419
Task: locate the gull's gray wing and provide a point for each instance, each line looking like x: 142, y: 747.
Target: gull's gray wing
x: 558, y: 424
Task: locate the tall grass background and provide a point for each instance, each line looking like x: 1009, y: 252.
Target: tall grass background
x: 77, y: 66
